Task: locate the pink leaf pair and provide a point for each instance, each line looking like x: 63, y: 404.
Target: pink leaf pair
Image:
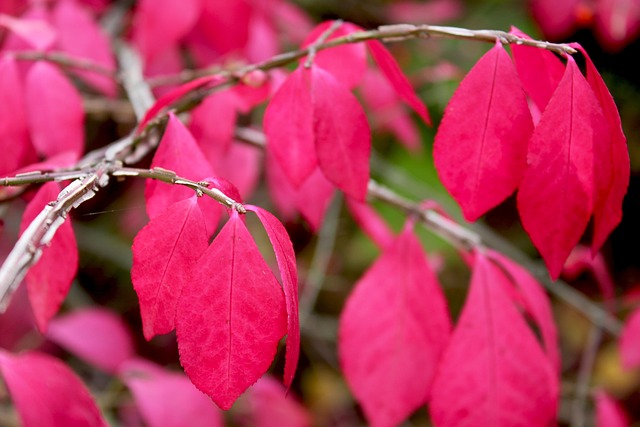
x: 392, y: 332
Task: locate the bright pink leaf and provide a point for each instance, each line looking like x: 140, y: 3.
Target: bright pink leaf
x: 96, y: 335
x: 55, y: 112
x: 179, y: 153
x: 371, y: 223
x: 630, y: 341
x: 164, y: 253
x: 62, y: 399
x: 581, y: 260
x: 392, y: 332
x: 557, y: 19
x: 14, y: 144
x: 536, y: 304
x: 288, y: 124
x: 160, y: 23
x: 175, y: 94
x: 419, y: 12
x: 611, y: 183
x: 242, y: 165
x: 35, y: 32
x: 347, y: 63
x: 342, y: 134
x: 398, y: 80
x: 269, y: 405
x: 540, y: 70
x: 617, y: 22
x: 555, y: 199
x: 80, y: 36
x: 493, y: 373
x: 230, y: 316
x: 286, y: 259
x: 167, y: 399
x: 481, y: 163
x: 49, y: 280
x: 214, y: 136
x: 224, y: 24
x: 609, y: 413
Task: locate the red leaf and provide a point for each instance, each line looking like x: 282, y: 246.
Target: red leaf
x: 536, y: 304
x: 493, y: 373
x: 80, y: 36
x: 392, y: 332
x: 611, y: 164
x: 161, y: 23
x: 230, y: 316
x: 96, y: 335
x: 371, y: 223
x: 270, y: 406
x: 540, y: 70
x: 342, y: 134
x: 288, y: 124
x: 347, y: 63
x: 62, y: 399
x: 54, y: 111
x: 609, y: 413
x: 556, y: 194
x: 175, y: 94
x: 581, y: 260
x: 617, y: 22
x: 398, y: 80
x: 49, y: 280
x: 37, y: 33
x: 241, y: 164
x: 14, y: 143
x: 167, y: 399
x: 214, y: 137
x: 179, y: 153
x: 164, y: 253
x: 557, y: 19
x: 481, y: 163
x: 224, y: 24
x: 286, y: 258
x: 630, y: 341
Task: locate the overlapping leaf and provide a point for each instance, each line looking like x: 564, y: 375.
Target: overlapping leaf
x: 556, y: 195
x: 55, y: 113
x: 493, y: 372
x: 230, y: 316
x: 609, y: 413
x: 164, y: 253
x: 392, y: 332
x: 14, y: 142
x: 62, y: 399
x: 49, y: 280
x: 481, y: 145
x: 269, y: 405
x: 630, y: 341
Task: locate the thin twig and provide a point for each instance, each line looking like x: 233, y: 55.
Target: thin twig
x: 579, y: 404
x: 66, y: 61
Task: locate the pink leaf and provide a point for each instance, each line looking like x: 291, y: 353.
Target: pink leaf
x: 392, y: 332
x: 342, y: 134
x: 536, y: 304
x: 224, y: 24
x: 371, y: 223
x: 37, y: 33
x: 165, y: 252
x: 49, y: 280
x: 481, y: 163
x: 242, y: 165
x: 269, y: 405
x: 167, y: 399
x: 581, y: 260
x: 62, y: 399
x: 179, y: 153
x: 609, y: 413
x: 347, y: 63
x: 493, y: 373
x: 286, y: 258
x: 612, y: 167
x: 557, y: 19
x: 617, y: 22
x: 540, y: 70
x: 555, y: 199
x: 288, y: 124
x: 14, y: 144
x: 96, y: 335
x: 80, y: 36
x: 398, y: 80
x: 630, y: 341
x: 55, y: 112
x: 313, y: 199
x: 160, y: 23
x: 214, y: 137
x: 230, y: 316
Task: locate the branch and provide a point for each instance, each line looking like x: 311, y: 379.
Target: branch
x: 66, y: 61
